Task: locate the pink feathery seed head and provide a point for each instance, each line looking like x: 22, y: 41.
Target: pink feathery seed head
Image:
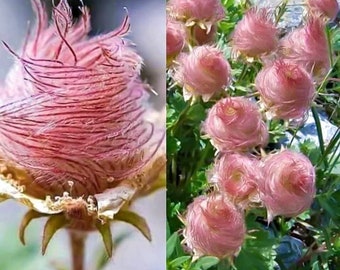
x: 206, y: 11
x: 175, y: 38
x: 256, y: 34
x: 204, y: 36
x: 286, y: 88
x: 328, y: 8
x: 237, y: 176
x: 214, y: 227
x: 74, y: 112
x: 203, y: 72
x: 235, y: 124
x: 307, y: 46
x: 288, y: 184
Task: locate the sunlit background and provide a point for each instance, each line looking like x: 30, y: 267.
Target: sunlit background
x: 134, y: 251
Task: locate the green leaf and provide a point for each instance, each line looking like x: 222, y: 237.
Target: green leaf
x: 171, y: 244
x: 29, y: 216
x: 206, y: 262
x: 173, y: 145
x: 53, y: 224
x: 179, y: 261
x: 196, y: 113
x: 135, y: 220
x: 105, y: 231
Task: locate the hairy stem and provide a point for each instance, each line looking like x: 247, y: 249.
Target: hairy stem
x: 77, y: 240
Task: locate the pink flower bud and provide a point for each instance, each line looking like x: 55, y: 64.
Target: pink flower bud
x: 235, y: 124
x: 237, y: 177
x: 286, y: 89
x: 213, y: 226
x: 175, y: 39
x: 202, y: 72
x: 288, y: 184
x: 307, y: 46
x: 196, y: 10
x: 328, y: 8
x: 255, y: 34
x: 74, y: 112
x: 204, y: 36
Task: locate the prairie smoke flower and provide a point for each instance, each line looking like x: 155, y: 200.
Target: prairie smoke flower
x: 214, y: 226
x: 236, y: 176
x: 286, y: 88
x: 202, y: 72
x: 307, y: 46
x: 74, y: 140
x: 287, y: 186
x: 328, y: 8
x: 235, y: 124
x: 175, y: 39
x: 203, y: 12
x: 255, y: 34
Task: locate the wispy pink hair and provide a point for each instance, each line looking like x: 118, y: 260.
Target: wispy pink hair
x: 237, y: 176
x: 235, y: 124
x: 203, y: 72
x: 72, y: 107
x: 255, y: 34
x: 288, y: 184
x: 307, y: 46
x: 175, y: 38
x: 214, y: 226
x: 328, y: 8
x: 286, y: 88
x: 196, y: 10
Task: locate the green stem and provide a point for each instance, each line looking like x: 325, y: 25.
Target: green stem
x: 202, y: 158
x: 330, y: 48
x: 325, y: 80
x: 181, y: 118
x: 282, y: 10
x: 77, y: 240
x: 224, y: 265
x: 294, y: 135
x: 243, y: 72
x: 320, y: 136
x: 333, y: 142
x: 335, y: 160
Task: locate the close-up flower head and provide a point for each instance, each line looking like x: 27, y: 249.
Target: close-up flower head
x: 76, y: 145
